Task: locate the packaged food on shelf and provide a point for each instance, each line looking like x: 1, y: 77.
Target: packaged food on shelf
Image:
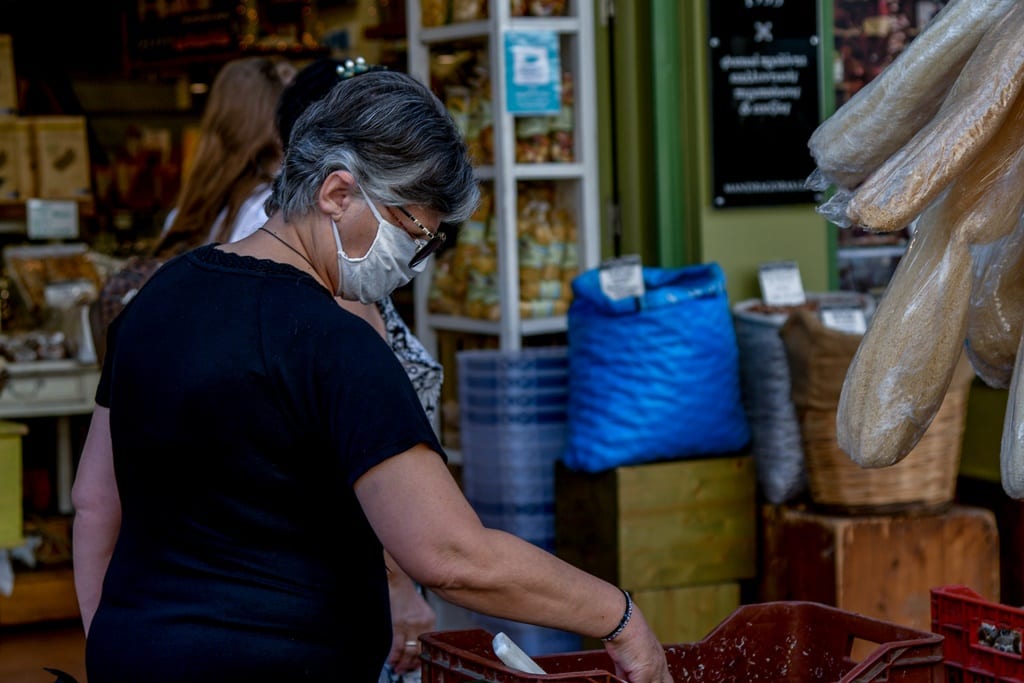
x: 468, y: 10
x: 562, y: 139
x: 537, y: 8
x: 434, y: 12
x: 547, y: 255
x: 34, y: 267
x: 457, y: 101
x: 533, y: 142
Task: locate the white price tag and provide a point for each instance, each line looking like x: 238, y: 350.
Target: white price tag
x: 844, y: 319
x: 52, y: 219
x: 781, y: 284
x: 622, y: 277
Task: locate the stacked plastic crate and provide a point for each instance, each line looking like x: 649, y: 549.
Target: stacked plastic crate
x: 512, y: 419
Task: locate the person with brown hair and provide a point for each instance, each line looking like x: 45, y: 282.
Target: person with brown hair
x: 236, y: 157
x: 237, y: 154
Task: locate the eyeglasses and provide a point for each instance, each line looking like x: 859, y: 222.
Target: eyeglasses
x: 434, y: 240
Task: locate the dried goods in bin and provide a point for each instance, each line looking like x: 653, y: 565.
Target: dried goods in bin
x: 982, y: 638
x: 773, y: 641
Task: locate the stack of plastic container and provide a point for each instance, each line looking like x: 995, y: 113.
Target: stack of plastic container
x: 512, y: 421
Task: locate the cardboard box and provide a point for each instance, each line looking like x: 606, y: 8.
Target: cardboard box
x: 660, y: 525
x: 62, y: 157
x: 882, y: 566
x: 17, y: 178
x: 8, y: 79
x: 11, y: 519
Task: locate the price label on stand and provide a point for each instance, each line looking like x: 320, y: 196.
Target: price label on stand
x: 52, y: 219
x: 622, y: 277
x: 844, y: 319
x: 781, y: 284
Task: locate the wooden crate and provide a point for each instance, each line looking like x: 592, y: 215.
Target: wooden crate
x: 660, y: 525
x: 881, y: 566
x: 687, y: 613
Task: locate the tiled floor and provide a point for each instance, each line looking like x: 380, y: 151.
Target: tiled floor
x: 25, y: 650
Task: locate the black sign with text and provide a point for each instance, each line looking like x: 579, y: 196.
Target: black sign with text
x: 764, y: 100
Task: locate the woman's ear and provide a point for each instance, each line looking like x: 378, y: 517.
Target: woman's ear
x: 337, y: 192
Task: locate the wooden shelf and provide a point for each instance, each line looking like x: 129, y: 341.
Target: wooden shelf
x: 16, y: 211
x: 40, y: 595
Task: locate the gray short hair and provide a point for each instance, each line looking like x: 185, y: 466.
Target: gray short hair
x: 393, y: 135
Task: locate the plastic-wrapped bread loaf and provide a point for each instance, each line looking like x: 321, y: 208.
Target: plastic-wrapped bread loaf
x: 893, y: 106
x: 1011, y: 450
x: 972, y: 112
x: 902, y: 368
x: 905, y: 361
x: 995, y: 317
x: 991, y: 199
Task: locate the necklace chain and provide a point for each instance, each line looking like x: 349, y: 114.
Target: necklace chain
x: 282, y: 241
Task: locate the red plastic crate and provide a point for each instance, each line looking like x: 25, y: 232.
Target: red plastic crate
x: 982, y: 638
x: 774, y: 641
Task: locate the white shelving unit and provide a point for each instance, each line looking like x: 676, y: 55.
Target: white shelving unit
x: 579, y: 177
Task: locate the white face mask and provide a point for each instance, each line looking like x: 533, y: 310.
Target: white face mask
x: 383, y: 269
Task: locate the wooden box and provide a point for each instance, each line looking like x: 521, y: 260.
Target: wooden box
x: 11, y: 522
x: 687, y: 613
x: 62, y: 157
x: 660, y: 525
x: 17, y: 178
x: 881, y: 566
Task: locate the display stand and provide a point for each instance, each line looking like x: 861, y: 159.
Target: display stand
x: 58, y: 389
x: 577, y: 179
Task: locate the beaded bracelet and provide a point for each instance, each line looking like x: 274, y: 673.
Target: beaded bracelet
x: 625, y: 619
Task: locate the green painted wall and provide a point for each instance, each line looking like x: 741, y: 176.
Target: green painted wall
x: 627, y: 159
x: 740, y: 239
x: 662, y: 125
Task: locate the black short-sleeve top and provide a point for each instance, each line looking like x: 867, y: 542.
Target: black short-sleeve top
x: 244, y: 403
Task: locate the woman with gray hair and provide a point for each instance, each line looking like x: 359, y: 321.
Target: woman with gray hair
x: 255, y: 447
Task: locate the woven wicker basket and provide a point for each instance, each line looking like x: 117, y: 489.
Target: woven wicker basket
x: 925, y: 478
x: 923, y: 481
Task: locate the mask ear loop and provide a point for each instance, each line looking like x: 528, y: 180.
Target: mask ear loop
x: 373, y: 209
x: 376, y: 237
x: 337, y: 237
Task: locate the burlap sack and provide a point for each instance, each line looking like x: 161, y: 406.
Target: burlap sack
x: 818, y: 360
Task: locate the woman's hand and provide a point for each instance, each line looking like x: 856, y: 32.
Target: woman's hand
x: 638, y: 655
x: 411, y: 615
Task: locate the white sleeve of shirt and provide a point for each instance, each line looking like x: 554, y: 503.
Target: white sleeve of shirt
x: 250, y: 215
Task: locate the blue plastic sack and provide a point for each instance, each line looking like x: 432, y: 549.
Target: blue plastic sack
x: 656, y: 377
